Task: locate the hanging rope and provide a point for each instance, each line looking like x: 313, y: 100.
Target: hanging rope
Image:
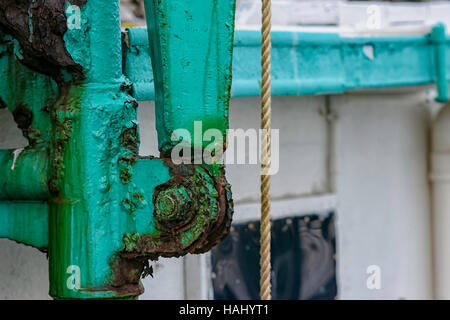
x: 266, y: 111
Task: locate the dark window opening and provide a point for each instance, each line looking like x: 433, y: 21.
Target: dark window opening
x: 303, y: 260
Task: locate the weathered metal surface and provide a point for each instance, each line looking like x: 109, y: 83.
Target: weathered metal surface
x: 73, y: 104
x: 24, y: 174
x: 39, y: 26
x: 85, y: 215
x: 80, y: 132
x: 108, y: 209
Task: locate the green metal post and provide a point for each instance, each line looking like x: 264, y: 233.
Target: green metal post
x: 89, y: 120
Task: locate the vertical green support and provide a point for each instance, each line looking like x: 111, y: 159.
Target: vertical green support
x: 440, y: 41
x: 191, y: 43
x: 90, y: 119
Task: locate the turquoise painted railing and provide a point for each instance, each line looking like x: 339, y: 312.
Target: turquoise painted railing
x: 317, y: 63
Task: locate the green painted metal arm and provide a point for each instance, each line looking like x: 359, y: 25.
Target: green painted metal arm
x: 191, y: 57
x: 316, y: 63
x: 108, y: 210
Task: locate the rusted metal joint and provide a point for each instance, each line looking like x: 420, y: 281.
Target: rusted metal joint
x: 172, y: 206
x: 193, y: 212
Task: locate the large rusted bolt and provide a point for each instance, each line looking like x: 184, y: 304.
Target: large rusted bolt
x: 172, y: 205
x: 192, y: 213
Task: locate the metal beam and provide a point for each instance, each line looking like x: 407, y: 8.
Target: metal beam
x: 311, y: 63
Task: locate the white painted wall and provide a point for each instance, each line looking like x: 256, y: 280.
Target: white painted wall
x: 381, y: 177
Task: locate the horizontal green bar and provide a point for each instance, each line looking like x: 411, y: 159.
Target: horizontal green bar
x: 25, y: 222
x: 24, y: 174
x: 308, y: 63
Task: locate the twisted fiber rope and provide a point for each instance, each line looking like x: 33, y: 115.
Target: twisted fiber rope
x: 266, y: 111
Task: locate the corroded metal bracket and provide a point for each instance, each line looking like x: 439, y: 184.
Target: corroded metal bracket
x: 192, y: 212
x: 305, y: 63
x: 80, y: 190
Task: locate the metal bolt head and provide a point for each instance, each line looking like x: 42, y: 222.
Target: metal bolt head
x: 172, y: 204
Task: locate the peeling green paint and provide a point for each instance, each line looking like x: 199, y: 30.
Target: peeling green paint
x: 77, y: 39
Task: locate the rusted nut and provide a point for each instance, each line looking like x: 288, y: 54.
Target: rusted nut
x: 172, y: 205
x: 192, y: 213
